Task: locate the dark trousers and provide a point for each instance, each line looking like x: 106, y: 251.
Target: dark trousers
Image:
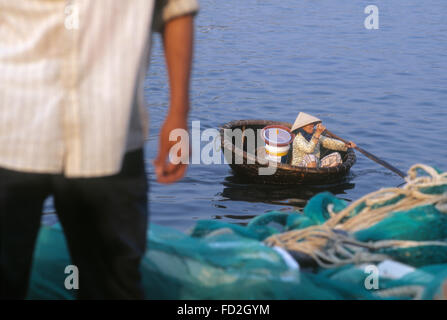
x: 104, y: 221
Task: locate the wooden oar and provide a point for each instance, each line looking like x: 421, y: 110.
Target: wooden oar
x: 371, y: 156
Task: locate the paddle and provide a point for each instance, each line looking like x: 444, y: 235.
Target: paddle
x: 371, y: 156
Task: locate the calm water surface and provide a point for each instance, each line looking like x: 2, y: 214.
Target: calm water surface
x: 384, y: 89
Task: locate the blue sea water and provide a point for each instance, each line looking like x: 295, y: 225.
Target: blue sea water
x: 385, y: 89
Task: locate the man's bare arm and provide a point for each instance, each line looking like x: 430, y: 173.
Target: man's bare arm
x: 178, y: 46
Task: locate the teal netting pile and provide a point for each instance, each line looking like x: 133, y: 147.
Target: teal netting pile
x: 326, y: 252
x: 407, y: 224
x: 222, y: 265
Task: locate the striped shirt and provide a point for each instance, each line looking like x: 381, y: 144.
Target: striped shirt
x: 71, y: 81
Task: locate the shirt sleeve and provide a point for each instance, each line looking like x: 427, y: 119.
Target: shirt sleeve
x: 166, y: 10
x: 333, y: 144
x: 303, y: 145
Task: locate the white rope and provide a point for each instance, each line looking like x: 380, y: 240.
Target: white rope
x: 414, y: 292
x: 331, y: 249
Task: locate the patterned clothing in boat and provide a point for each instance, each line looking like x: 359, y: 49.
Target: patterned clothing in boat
x: 301, y: 147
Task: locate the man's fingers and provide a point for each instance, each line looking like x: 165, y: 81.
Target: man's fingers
x: 160, y: 161
x: 351, y: 144
x: 158, y: 165
x: 168, y: 172
x: 171, y: 167
x: 176, y: 172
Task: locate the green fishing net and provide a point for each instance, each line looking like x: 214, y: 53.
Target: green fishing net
x: 428, y: 281
x: 223, y: 265
x: 219, y: 260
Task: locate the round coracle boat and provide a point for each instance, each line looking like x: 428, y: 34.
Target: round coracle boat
x: 244, y: 151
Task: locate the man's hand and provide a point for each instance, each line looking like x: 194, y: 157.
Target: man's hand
x: 350, y: 145
x: 166, y: 171
x: 178, y: 47
x: 320, y: 128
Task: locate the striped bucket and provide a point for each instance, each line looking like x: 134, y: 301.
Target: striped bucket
x: 277, y: 140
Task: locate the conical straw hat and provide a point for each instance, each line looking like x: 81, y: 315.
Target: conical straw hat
x: 304, y: 119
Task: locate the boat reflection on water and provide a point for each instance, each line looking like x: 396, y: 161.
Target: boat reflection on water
x: 239, y: 188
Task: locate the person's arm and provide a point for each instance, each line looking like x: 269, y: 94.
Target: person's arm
x: 303, y: 145
x: 309, y: 146
x: 333, y: 144
x: 178, y: 47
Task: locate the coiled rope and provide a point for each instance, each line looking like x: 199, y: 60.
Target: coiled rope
x: 331, y: 248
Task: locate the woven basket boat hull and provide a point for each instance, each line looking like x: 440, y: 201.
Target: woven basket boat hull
x: 285, y: 173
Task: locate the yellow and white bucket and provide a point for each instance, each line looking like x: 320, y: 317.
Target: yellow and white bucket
x: 277, y: 140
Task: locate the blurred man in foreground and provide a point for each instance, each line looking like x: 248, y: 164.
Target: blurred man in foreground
x: 73, y: 125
